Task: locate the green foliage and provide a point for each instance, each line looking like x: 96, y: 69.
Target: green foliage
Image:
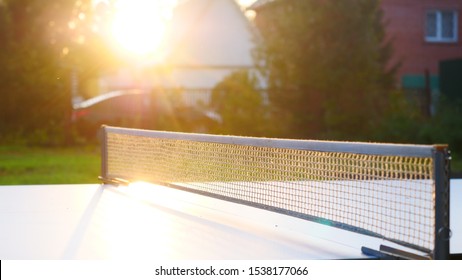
x: 445, y: 127
x: 402, y: 123
x: 405, y: 123
x: 40, y: 44
x: 240, y: 105
x: 31, y: 85
x: 325, y: 62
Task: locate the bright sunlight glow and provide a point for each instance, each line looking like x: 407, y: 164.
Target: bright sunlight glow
x: 138, y: 26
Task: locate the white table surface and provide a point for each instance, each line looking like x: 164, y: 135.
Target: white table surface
x: 155, y: 222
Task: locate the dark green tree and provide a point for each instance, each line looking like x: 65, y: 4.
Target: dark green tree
x: 40, y: 45
x: 240, y: 105
x: 326, y: 64
x: 30, y: 75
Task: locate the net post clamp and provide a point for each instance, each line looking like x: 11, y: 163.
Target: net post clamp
x: 377, y: 254
x: 114, y: 181
x: 389, y: 253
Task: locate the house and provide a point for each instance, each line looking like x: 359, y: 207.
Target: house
x: 423, y: 34
x: 206, y: 41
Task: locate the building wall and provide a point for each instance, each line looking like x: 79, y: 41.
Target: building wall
x: 405, y: 26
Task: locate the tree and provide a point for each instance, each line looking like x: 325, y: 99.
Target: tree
x: 40, y: 45
x: 240, y: 105
x: 325, y: 62
x: 30, y: 75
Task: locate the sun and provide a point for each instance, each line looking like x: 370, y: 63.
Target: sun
x: 138, y: 26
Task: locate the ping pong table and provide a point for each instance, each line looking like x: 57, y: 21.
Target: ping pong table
x: 197, y: 196
x: 146, y: 221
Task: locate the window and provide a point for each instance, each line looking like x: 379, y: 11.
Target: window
x: 441, y: 26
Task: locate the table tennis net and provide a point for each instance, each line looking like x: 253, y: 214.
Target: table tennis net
x: 383, y: 190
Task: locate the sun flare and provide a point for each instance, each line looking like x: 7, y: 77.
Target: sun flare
x: 139, y: 26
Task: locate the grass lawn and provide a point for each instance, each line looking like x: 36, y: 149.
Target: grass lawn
x: 38, y: 165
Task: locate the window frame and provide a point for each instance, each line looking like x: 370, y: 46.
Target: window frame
x: 439, y: 29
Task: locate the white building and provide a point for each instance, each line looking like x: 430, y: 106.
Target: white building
x: 206, y: 41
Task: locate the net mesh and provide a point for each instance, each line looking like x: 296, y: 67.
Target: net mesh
x: 389, y: 196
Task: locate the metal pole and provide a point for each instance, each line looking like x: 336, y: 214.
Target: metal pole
x: 441, y: 160
x: 103, y: 135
